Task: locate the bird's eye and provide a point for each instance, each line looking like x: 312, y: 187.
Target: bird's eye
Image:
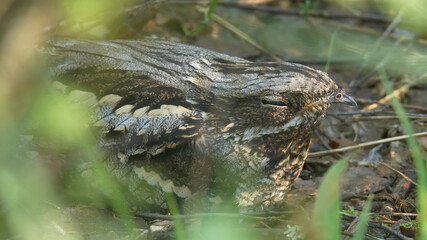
x: 273, y: 102
x: 338, y: 96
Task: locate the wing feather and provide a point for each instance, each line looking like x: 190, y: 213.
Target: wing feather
x: 135, y: 112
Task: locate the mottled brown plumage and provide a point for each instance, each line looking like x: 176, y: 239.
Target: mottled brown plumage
x: 182, y: 119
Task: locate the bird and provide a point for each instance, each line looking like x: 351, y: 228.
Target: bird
x: 184, y: 120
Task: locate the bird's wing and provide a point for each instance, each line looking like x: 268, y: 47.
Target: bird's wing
x: 138, y: 115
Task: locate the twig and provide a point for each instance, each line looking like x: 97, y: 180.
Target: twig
x: 396, y: 93
x: 375, y: 118
x: 398, y: 172
x: 322, y: 60
x: 324, y: 143
x: 356, y: 112
x: 322, y: 140
x: 377, y: 67
x: 293, y: 11
x: 379, y: 225
x: 396, y: 214
x: 201, y: 215
x: 380, y: 40
x: 346, y: 234
x: 351, y: 228
x: 362, y: 101
x: 385, y: 221
x: 270, y: 213
x: 366, y: 144
x: 390, y: 230
x: 319, y: 14
x: 391, y: 114
x: 370, y: 31
x: 243, y: 35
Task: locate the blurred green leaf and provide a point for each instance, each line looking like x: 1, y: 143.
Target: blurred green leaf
x: 325, y: 223
x: 414, y: 14
x: 173, y: 208
x: 116, y: 197
x: 77, y: 9
x: 60, y: 121
x: 417, y: 154
x: 362, y: 226
x: 25, y: 185
x: 330, y: 49
x: 95, y: 18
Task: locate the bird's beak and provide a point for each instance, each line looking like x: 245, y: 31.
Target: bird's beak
x: 348, y: 100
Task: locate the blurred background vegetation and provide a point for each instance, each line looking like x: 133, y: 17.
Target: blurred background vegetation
x: 357, y: 38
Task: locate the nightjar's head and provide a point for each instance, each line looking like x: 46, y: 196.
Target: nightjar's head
x: 289, y: 94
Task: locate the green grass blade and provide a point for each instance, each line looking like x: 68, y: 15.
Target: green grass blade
x: 331, y: 47
x: 363, y: 221
x: 326, y: 218
x: 174, y: 210
x: 115, y: 196
x: 419, y: 162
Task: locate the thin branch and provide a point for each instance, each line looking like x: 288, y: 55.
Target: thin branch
x: 295, y: 11
x: 366, y: 144
x: 398, y: 172
x: 375, y: 118
x: 362, y: 101
x: 201, y: 215
x: 290, y: 11
x: 243, y: 35
x: 324, y: 143
x: 390, y: 230
x: 396, y: 214
x: 384, y: 35
x: 379, y: 225
x: 396, y: 93
x: 357, y: 112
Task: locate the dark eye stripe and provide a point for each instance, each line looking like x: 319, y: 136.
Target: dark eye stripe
x: 273, y: 102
